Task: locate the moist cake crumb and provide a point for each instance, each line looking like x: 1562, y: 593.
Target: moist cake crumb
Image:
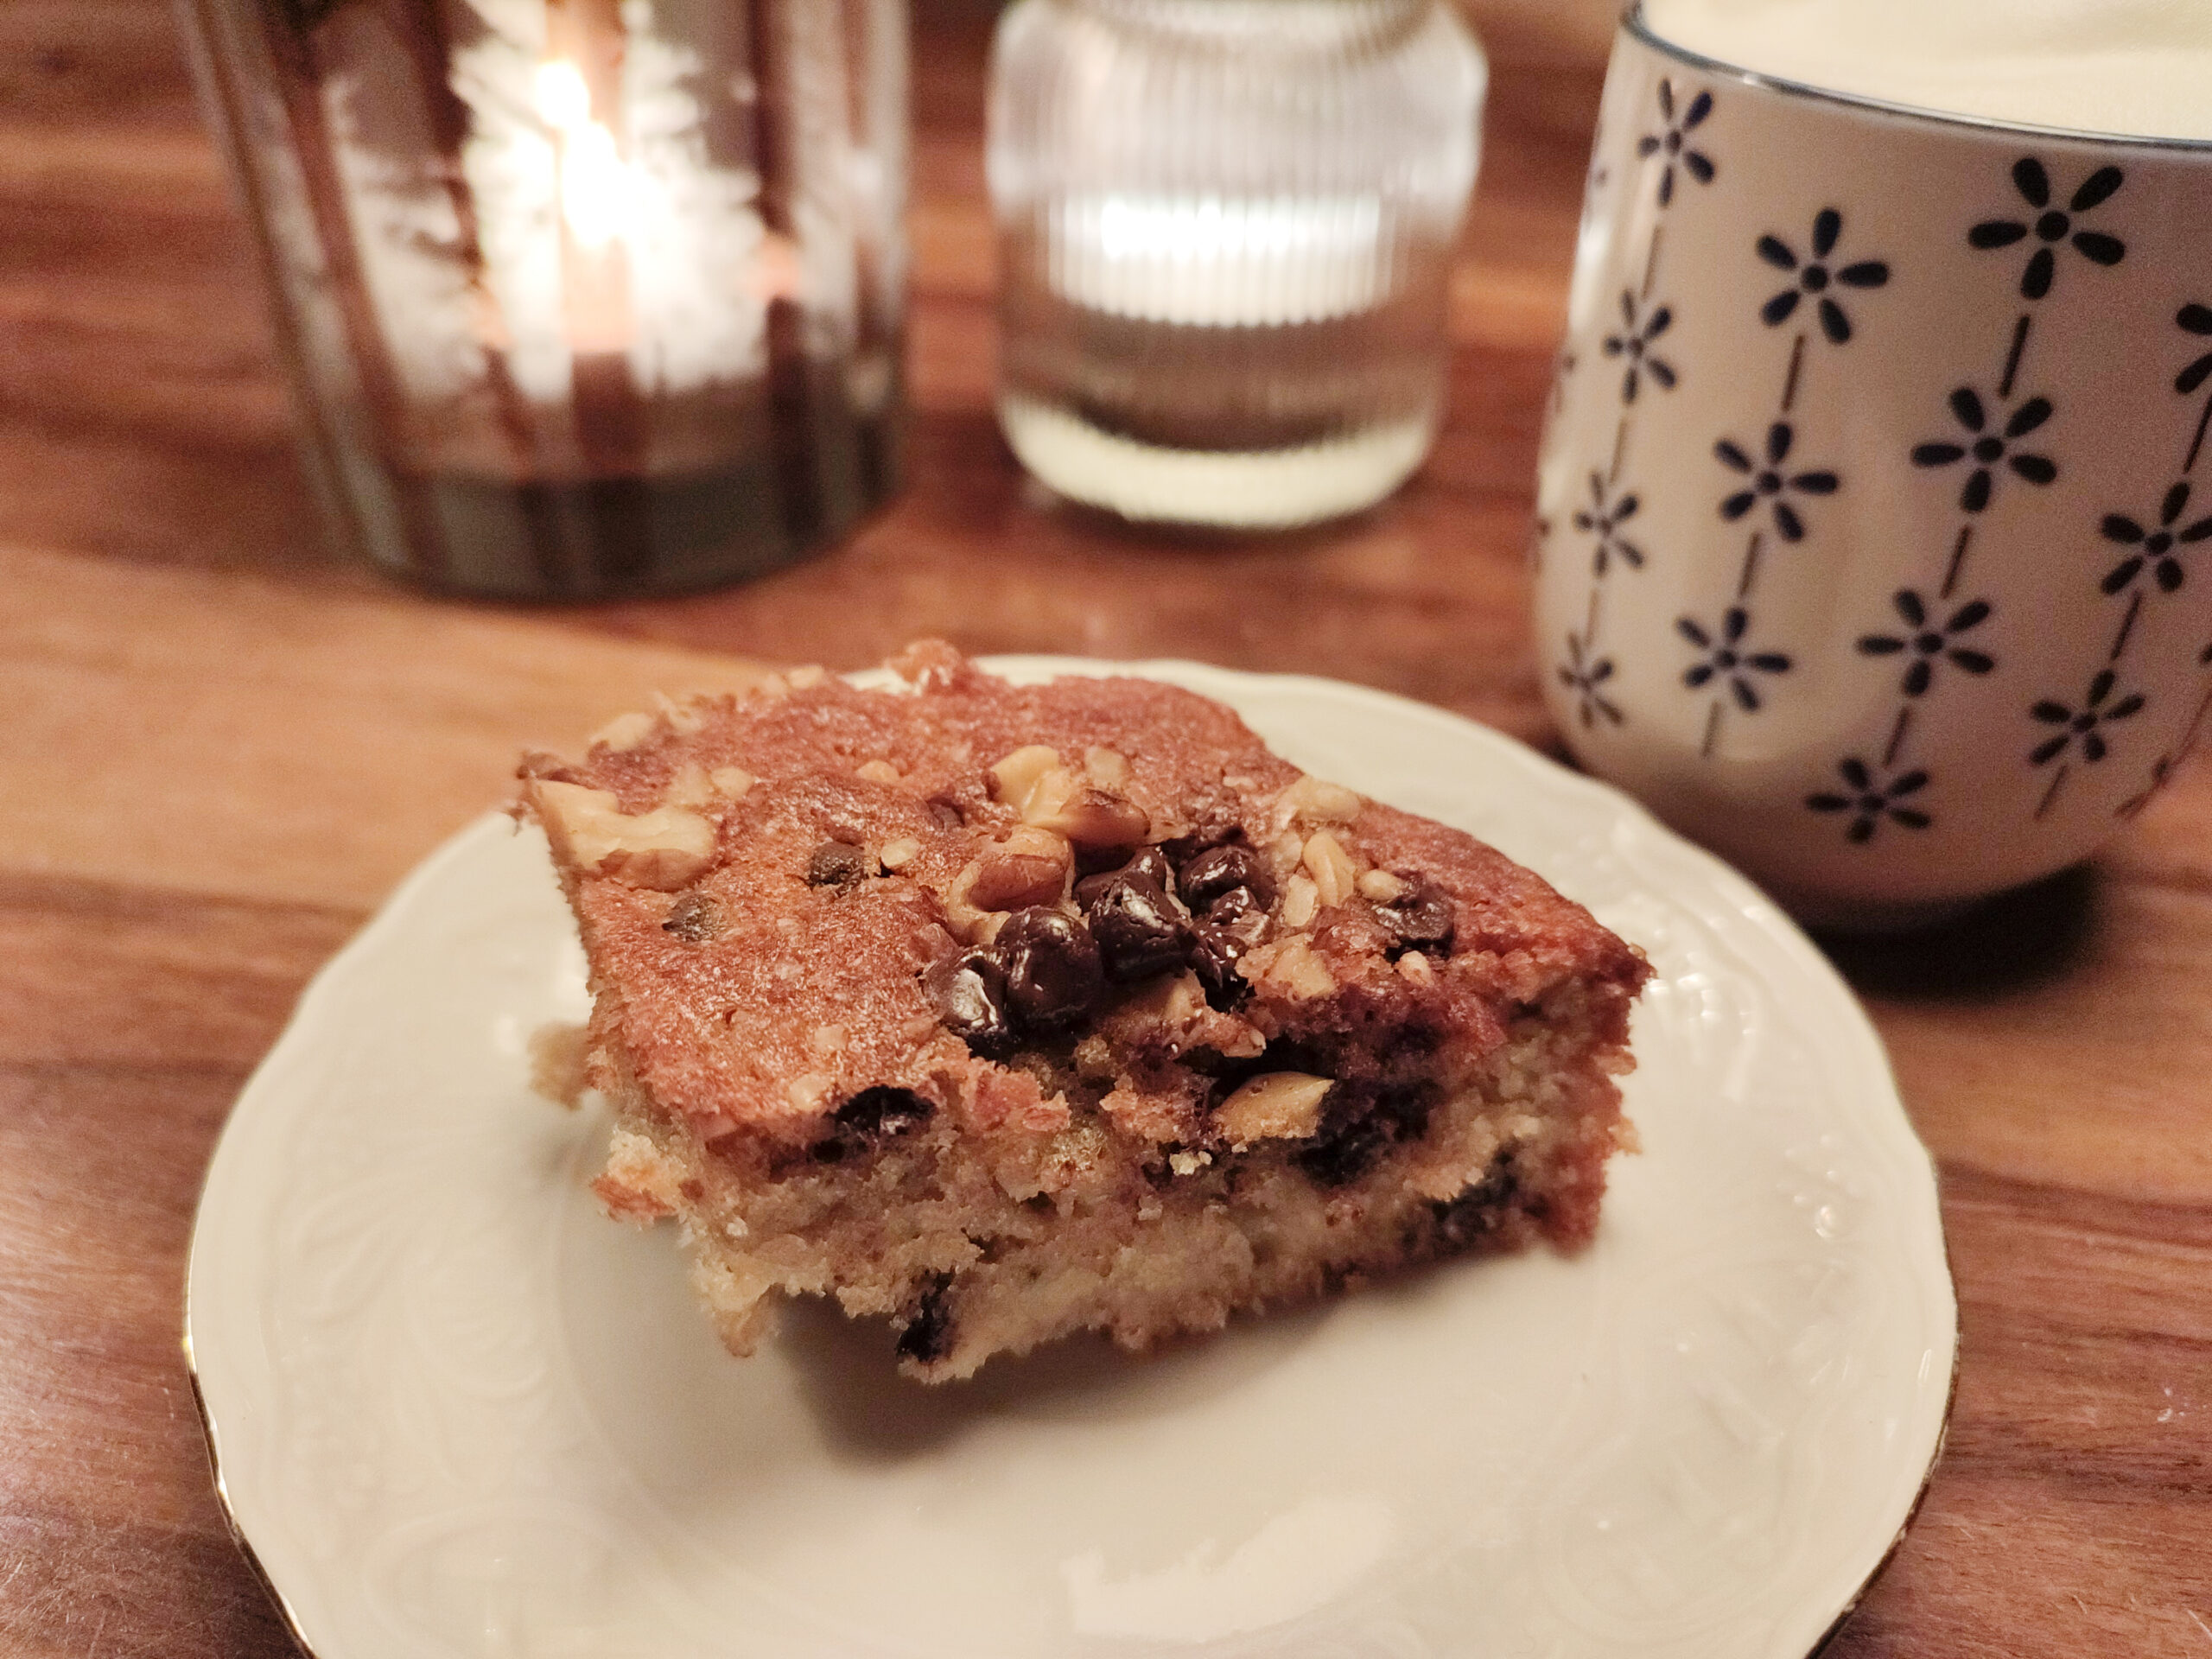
x: 1008, y: 1011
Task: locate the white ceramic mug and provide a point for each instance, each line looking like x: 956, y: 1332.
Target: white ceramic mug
x: 1874, y: 535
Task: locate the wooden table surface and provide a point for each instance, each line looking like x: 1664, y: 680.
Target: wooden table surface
x: 219, y: 746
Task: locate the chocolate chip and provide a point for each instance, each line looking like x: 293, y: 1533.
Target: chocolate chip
x: 883, y: 1111
x: 1422, y: 917
x: 968, y: 992
x: 1053, y: 974
x: 1359, y: 1127
x: 1345, y: 1153
x: 694, y: 918
x: 1212, y: 833
x: 1234, y: 924
x: 1222, y: 869
x: 926, y: 1333
x: 1241, y: 913
x: 1139, y: 923
x: 838, y: 864
x: 1475, y: 1213
x: 1153, y: 865
x: 1213, y: 953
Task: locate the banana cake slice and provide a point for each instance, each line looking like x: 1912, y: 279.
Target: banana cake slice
x: 1013, y: 1011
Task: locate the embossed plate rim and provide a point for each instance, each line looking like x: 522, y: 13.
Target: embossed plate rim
x: 1745, y: 905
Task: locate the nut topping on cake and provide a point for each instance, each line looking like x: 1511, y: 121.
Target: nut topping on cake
x: 1330, y: 867
x: 1051, y: 796
x: 667, y: 847
x: 1275, y: 1105
x: 1030, y: 867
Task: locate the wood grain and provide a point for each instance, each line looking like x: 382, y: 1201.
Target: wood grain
x: 222, y: 747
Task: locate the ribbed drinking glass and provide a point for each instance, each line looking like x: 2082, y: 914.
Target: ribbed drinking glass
x: 1225, y: 230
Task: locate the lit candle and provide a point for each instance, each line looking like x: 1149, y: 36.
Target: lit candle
x: 592, y: 188
x: 558, y: 233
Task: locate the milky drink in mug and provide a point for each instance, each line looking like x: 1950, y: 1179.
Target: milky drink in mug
x: 1874, y: 536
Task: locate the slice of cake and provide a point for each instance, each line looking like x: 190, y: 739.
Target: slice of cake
x: 1013, y: 1011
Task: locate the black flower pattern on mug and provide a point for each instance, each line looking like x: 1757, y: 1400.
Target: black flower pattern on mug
x: 1725, y: 658
x: 1633, y: 342
x: 2084, y: 725
x: 1929, y: 644
x: 1587, y: 681
x: 1674, y: 141
x: 2053, y: 227
x: 1986, y: 449
x: 1604, y: 519
x: 1768, y: 482
x: 1870, y: 800
x: 1817, y: 275
x: 2195, y: 319
x: 2155, y: 549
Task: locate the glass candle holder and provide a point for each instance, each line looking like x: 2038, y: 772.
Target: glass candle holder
x: 581, y: 298
x: 1225, y: 230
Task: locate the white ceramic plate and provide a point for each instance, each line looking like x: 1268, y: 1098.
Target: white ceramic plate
x: 459, y: 1412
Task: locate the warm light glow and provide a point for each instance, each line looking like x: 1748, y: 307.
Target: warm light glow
x: 564, y: 101
x: 595, y: 185
x: 1223, y: 261
x: 1203, y: 228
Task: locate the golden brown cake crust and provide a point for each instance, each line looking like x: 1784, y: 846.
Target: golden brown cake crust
x: 727, y: 1029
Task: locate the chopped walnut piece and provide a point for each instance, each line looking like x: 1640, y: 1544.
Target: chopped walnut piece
x: 1316, y: 802
x: 1171, y: 1005
x: 1334, y: 875
x: 1301, y: 899
x: 685, y: 719
x: 1030, y: 867
x: 732, y: 781
x: 1014, y: 777
x: 1290, y: 966
x: 1086, y: 814
x: 808, y: 1090
x: 1052, y: 796
x: 1176, y: 1011
x: 806, y: 676
x: 1416, y: 970
x: 1273, y: 1106
x: 896, y: 854
x: 1108, y: 768
x: 927, y: 662
x: 689, y: 787
x: 625, y: 732
x: 877, y: 772
x: 667, y: 847
x: 1381, y: 887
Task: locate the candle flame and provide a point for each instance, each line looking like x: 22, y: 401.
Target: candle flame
x: 595, y: 187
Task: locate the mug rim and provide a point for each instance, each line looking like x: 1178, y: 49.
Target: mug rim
x: 1634, y: 25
